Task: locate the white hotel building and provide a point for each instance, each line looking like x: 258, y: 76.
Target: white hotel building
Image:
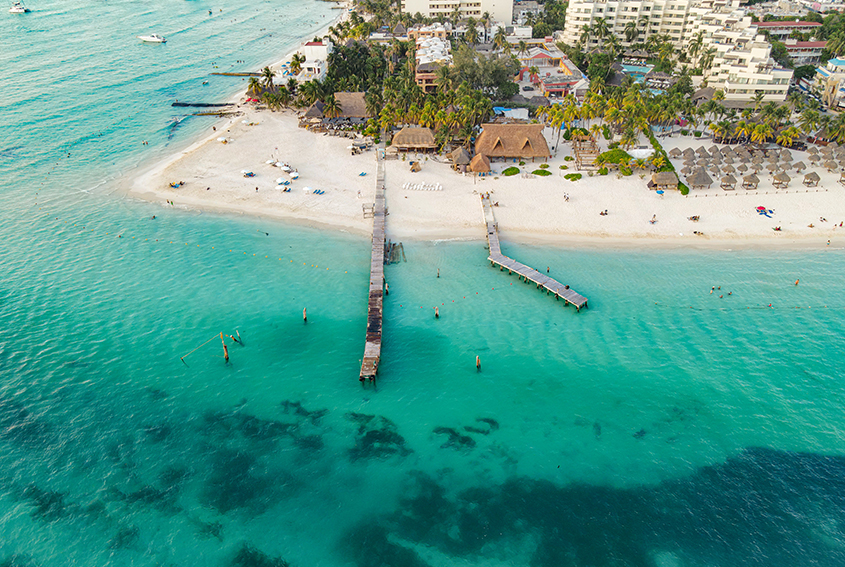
x: 499, y: 10
x: 742, y: 65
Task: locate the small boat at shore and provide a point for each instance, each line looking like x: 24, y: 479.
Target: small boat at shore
x: 152, y: 38
x: 18, y: 8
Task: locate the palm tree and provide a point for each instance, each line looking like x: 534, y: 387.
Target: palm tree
x: 373, y: 102
x: 743, y: 129
x: 500, y: 39
x: 522, y: 47
x: 758, y: 100
x: 586, y: 32
x: 600, y: 28
x: 471, y: 36
x: 631, y: 31
x: 267, y: 74
x: 254, y: 86
x: 331, y: 107
x: 696, y: 44
x: 808, y: 121
x: 444, y: 79
x: 787, y: 136
x: 761, y: 133
x: 292, y: 86
x: 533, y: 73
x: 296, y: 63
x: 629, y: 138
x: 720, y: 129
x: 707, y: 57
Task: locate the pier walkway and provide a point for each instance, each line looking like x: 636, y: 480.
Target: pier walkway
x: 372, y: 348
x: 496, y: 258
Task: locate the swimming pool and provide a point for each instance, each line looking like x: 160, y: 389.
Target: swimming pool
x: 637, y: 71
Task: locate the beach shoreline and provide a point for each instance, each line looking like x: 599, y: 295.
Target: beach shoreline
x: 438, y: 204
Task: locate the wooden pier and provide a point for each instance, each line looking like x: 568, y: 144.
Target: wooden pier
x: 372, y: 348
x: 528, y: 274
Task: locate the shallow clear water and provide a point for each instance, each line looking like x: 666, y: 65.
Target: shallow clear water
x: 663, y: 426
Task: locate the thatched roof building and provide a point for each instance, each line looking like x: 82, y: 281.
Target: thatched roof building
x: 699, y: 179
x: 512, y: 141
x: 460, y: 156
x: 414, y: 139
x: 664, y: 180
x: 352, y: 107
x: 479, y: 164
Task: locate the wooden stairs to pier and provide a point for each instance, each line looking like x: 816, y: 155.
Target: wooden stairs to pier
x: 586, y: 151
x: 527, y: 273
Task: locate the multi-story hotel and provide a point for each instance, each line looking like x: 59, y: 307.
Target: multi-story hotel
x: 742, y: 64
x: 499, y: 10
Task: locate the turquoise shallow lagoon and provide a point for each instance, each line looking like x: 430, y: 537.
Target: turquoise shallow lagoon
x: 664, y: 426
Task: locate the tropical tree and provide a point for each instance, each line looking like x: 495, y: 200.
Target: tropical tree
x: 706, y: 58
x: 631, y: 31
x: 254, y: 86
x: 500, y: 38
x: 808, y: 121
x: 743, y: 129
x: 331, y: 107
x: 586, y: 33
x: 534, y: 73
x: 788, y: 136
x: 761, y: 133
x: 267, y: 75
x: 296, y: 63
x: 471, y: 36
x: 695, y: 45
x: 758, y: 100
x: 522, y: 47
x: 600, y: 28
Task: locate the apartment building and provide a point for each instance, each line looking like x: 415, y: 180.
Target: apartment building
x: 499, y: 10
x: 781, y: 30
x: 431, y: 54
x: 742, y: 63
x: 829, y: 82
x: 804, y: 52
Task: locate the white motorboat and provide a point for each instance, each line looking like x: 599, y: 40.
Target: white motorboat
x: 18, y: 8
x: 152, y: 38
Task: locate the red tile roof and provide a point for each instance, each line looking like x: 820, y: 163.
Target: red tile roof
x: 786, y: 24
x: 807, y: 44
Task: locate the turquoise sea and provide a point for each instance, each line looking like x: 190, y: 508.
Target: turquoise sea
x: 664, y: 426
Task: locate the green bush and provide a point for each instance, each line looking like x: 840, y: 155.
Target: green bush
x: 573, y: 176
x: 626, y: 171
x: 544, y: 166
x: 697, y: 134
x: 683, y: 188
x: 684, y: 132
x: 603, y: 171
x: 612, y: 145
x: 608, y: 135
x: 569, y: 158
x: 615, y: 156
x: 567, y: 134
x: 564, y: 167
x: 510, y: 171
x: 542, y: 172
x: 521, y: 163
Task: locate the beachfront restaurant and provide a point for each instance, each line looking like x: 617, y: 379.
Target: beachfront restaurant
x: 512, y: 142
x: 414, y: 139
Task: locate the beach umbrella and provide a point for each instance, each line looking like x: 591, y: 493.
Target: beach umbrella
x: 772, y: 167
x: 714, y: 169
x: 714, y: 149
x: 756, y: 167
x: 688, y: 152
x: 757, y: 159
x: 772, y: 157
x: 812, y: 150
x: 800, y: 166
x: 686, y: 170
x: 728, y: 180
x: 701, y: 151
x: 660, y: 191
x: 751, y: 182
x: 762, y: 209
x: 812, y: 178
x: 728, y: 168
x: 675, y: 152
x: 785, y: 155
x: 703, y: 162
x: 689, y: 162
x: 781, y: 179
x: 728, y: 160
x: 830, y: 165
x: 742, y: 167
x: 814, y: 158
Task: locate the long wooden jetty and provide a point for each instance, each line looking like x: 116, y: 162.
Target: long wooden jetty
x: 249, y: 74
x: 204, y: 104
x: 372, y: 348
x: 528, y: 274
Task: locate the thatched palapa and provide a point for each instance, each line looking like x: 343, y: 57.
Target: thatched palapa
x: 512, y: 141
x: 699, y: 179
x: 812, y: 179
x: 479, y: 164
x: 781, y: 180
x: 664, y: 180
x: 750, y: 182
x: 728, y: 183
x: 414, y: 139
x: 460, y: 156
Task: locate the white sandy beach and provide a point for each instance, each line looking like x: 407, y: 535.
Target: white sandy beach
x: 530, y: 208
